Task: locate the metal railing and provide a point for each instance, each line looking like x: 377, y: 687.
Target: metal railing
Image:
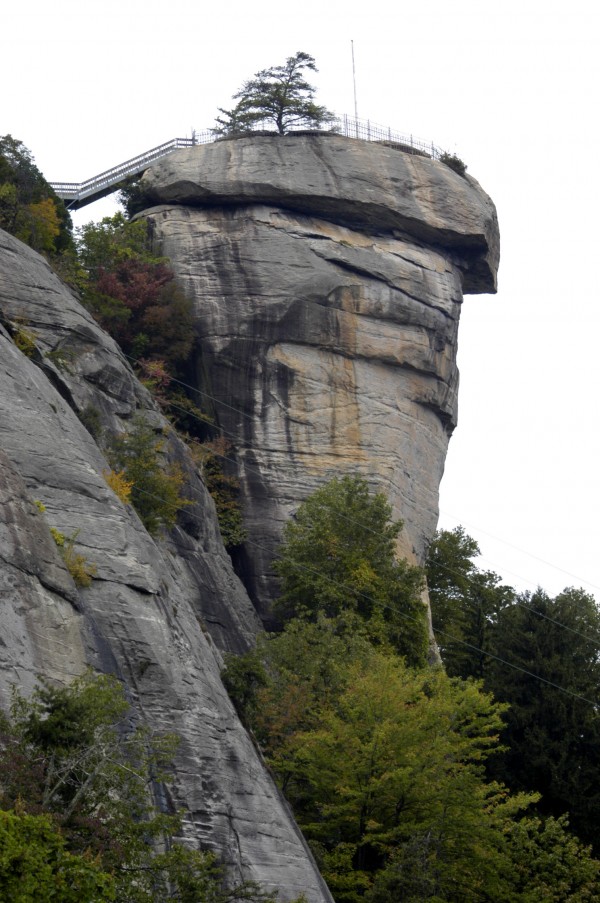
x: 365, y: 130
x: 78, y: 194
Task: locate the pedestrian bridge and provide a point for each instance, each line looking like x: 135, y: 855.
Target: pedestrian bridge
x: 79, y: 194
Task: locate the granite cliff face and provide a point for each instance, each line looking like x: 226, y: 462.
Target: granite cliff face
x: 158, y: 612
x: 327, y: 276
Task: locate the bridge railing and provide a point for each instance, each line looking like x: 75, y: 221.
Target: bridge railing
x: 363, y: 129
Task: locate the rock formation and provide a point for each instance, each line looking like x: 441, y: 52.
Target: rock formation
x: 152, y: 608
x: 327, y: 276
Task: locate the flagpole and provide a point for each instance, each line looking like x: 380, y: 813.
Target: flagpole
x: 354, y: 83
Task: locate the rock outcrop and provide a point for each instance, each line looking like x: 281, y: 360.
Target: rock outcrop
x: 158, y: 612
x: 327, y: 276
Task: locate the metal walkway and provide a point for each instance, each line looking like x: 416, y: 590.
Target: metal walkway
x: 79, y: 194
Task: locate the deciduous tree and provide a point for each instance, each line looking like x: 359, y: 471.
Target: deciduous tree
x: 338, y: 557
x: 78, y: 777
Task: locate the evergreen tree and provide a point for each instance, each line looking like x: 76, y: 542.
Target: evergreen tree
x: 527, y: 648
x: 552, y: 739
x: 280, y: 96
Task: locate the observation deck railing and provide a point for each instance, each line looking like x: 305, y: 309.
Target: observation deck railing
x: 79, y: 194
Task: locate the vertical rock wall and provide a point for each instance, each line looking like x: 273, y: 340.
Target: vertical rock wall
x: 327, y: 276
x: 154, y: 606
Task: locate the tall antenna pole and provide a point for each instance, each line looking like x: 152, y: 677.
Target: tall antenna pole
x: 354, y: 82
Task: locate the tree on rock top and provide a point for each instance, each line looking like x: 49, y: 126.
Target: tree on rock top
x: 279, y: 95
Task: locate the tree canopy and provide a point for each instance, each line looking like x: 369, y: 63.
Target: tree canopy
x: 384, y: 766
x: 78, y: 823
x: 279, y: 96
x: 338, y: 558
x: 540, y: 655
x: 391, y: 767
x: 29, y: 208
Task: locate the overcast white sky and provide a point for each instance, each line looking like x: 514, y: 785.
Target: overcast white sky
x: 511, y: 87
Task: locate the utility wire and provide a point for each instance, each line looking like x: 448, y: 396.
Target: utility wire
x: 250, y: 469
x: 405, y: 616
x: 519, y: 549
x: 339, y: 514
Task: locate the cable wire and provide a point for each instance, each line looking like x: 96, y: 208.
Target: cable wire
x: 406, y: 616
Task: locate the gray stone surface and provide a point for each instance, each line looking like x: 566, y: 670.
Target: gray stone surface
x: 362, y: 184
x: 153, y: 604
x: 327, y: 276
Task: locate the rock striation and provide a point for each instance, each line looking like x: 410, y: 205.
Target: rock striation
x: 158, y: 612
x: 327, y: 276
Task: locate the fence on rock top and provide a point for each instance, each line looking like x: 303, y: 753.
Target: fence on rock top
x: 79, y: 194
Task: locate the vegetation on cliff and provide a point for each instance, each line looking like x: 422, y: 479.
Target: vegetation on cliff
x: 389, y: 764
x: 29, y: 208
x: 78, y: 821
x: 396, y: 771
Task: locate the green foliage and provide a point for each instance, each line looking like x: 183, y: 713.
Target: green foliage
x: 551, y: 739
x: 454, y: 162
x: 132, y: 293
x: 39, y: 225
x: 243, y: 676
x: 397, y: 756
x: 112, y: 241
x: 393, y: 771
x: 24, y: 339
x: 78, y: 566
x: 186, y: 417
x: 58, y: 537
x: 338, y: 557
x: 385, y: 769
x: 78, y: 778
x: 155, y: 491
x: 550, y: 865
x: 465, y: 603
x: 29, y: 208
x: 279, y: 95
x: 132, y: 196
x: 224, y: 489
x: 36, y: 866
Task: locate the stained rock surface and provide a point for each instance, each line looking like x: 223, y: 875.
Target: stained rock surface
x: 158, y: 612
x: 327, y: 276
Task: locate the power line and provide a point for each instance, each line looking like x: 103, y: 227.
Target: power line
x: 519, y: 549
x: 229, y: 434
x: 406, y: 616
x: 340, y: 514
x: 250, y: 469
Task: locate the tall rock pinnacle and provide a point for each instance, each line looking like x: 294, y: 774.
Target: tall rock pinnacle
x: 327, y: 276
